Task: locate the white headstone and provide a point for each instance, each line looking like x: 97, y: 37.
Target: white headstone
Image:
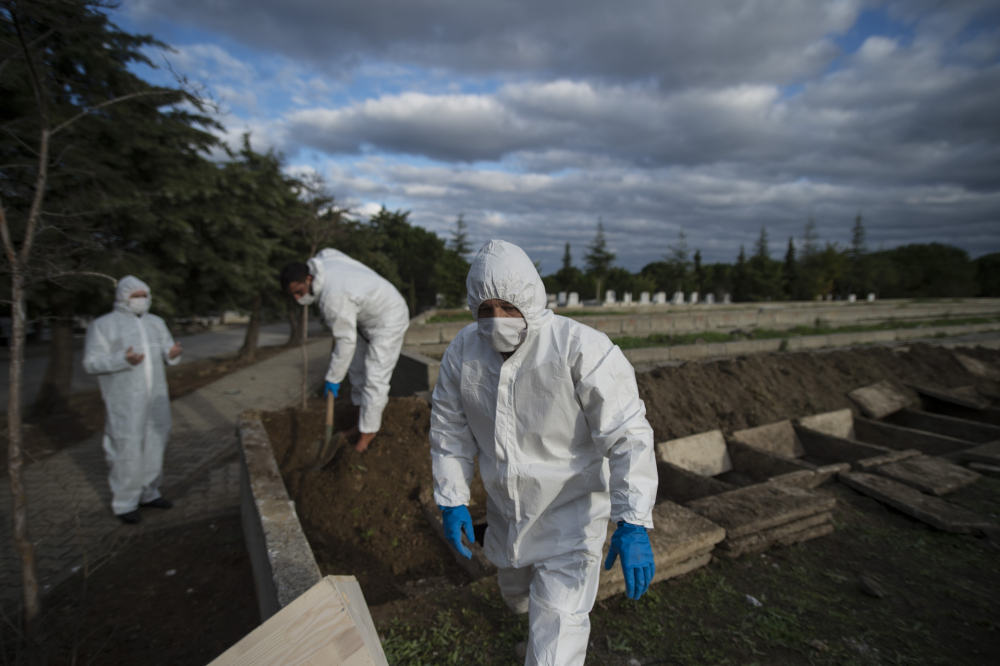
x: 439, y: 300
x: 660, y: 298
x: 550, y: 300
x: 829, y: 297
x: 871, y: 297
x: 678, y: 298
x: 709, y: 299
x: 694, y: 298
x: 609, y: 297
x: 851, y: 298
x: 644, y: 298
x: 573, y: 299
x: 561, y: 299
x: 627, y: 298
x: 726, y: 298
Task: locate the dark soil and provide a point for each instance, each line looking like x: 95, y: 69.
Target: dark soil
x: 131, y: 610
x: 49, y: 433
x: 749, y: 391
x: 362, y: 513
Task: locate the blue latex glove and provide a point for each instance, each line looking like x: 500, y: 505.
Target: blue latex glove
x: 331, y: 388
x: 631, y: 542
x: 455, y: 518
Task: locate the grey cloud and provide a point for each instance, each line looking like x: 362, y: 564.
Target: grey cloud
x: 717, y: 42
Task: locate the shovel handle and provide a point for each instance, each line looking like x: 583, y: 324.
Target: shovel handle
x: 329, y: 409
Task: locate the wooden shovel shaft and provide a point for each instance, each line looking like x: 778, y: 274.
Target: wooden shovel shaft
x: 329, y: 417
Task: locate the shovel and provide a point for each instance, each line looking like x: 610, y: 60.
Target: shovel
x: 331, y: 444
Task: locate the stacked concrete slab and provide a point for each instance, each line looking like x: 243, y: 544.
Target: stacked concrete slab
x: 759, y: 498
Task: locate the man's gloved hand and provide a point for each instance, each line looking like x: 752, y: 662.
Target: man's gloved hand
x: 631, y: 542
x: 331, y: 388
x: 455, y: 518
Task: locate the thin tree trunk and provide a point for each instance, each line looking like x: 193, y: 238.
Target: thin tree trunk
x: 54, y: 395
x: 15, y: 461
x: 248, y: 352
x: 295, y: 320
x: 305, y: 356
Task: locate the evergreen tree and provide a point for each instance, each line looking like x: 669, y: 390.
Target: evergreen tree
x: 567, y: 260
x: 599, y: 259
x: 790, y: 272
x: 858, y: 277
x: 699, y: 274
x: 741, y: 278
x: 764, y: 272
x: 460, y: 238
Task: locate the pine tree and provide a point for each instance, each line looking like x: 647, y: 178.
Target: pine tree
x: 599, y: 258
x: 460, y: 237
x: 567, y: 260
x: 790, y: 272
x: 699, y: 273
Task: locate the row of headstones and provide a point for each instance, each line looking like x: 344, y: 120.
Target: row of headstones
x: 571, y: 299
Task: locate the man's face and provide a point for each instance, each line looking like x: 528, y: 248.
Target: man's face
x: 299, y: 289
x: 494, y: 307
x: 139, y: 293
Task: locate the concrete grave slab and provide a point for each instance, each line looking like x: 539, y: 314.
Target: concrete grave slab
x: 821, y: 446
x: 811, y: 478
x: 934, y: 511
x: 929, y: 474
x: 963, y: 396
x: 681, y: 540
x: 987, y: 470
x: 839, y: 423
x: 704, y: 454
x: 778, y: 438
x: 882, y: 398
x: 977, y: 367
x: 868, y: 464
x: 950, y: 426
x: 988, y: 454
x: 761, y: 541
x: 755, y: 508
x: 899, y: 438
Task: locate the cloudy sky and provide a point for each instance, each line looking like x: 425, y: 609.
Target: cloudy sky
x: 537, y: 119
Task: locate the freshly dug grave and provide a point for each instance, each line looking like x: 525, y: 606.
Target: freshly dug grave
x: 749, y: 391
x: 362, y: 513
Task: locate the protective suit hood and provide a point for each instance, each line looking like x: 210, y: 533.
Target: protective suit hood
x: 502, y: 270
x: 126, y: 287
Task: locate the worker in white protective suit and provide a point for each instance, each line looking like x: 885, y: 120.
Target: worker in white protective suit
x: 126, y: 349
x: 552, y: 410
x: 368, y: 317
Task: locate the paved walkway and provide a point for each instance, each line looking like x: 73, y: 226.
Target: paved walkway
x: 68, y: 497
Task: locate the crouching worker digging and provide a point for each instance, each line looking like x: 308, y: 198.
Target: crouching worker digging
x: 368, y: 317
x: 552, y: 410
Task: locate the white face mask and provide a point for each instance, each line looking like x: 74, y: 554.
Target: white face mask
x: 139, y: 305
x: 307, y: 299
x: 504, y: 334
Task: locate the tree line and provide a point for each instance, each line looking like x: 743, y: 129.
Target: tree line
x: 809, y: 269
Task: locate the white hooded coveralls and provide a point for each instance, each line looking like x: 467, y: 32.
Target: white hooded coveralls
x: 369, y: 318
x: 136, y: 401
x: 563, y: 445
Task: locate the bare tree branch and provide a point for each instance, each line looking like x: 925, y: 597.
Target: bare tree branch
x: 107, y: 103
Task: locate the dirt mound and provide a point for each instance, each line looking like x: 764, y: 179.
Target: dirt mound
x: 748, y: 391
x: 361, y: 513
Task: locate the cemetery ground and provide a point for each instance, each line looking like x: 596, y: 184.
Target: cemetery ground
x: 882, y: 588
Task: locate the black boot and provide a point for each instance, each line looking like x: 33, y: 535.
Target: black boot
x: 159, y: 503
x: 131, y: 518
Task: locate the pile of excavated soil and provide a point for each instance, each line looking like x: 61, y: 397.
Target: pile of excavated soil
x: 362, y: 514
x: 749, y: 391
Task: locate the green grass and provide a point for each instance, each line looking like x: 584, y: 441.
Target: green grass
x: 663, y: 340
x: 941, y: 606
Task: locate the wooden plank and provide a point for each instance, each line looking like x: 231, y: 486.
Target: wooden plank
x: 898, y: 437
x: 328, y: 624
x: 971, y: 431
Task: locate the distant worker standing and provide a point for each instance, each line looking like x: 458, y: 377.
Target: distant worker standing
x: 368, y: 317
x: 126, y: 349
x: 551, y: 410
